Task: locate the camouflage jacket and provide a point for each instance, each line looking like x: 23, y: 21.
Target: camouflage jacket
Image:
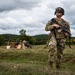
x: 50, y: 27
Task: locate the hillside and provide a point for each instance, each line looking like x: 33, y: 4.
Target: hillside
x: 8, y: 36
x: 38, y: 39
x: 41, y: 35
x: 15, y: 36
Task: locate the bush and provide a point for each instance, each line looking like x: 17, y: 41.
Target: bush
x: 2, y: 40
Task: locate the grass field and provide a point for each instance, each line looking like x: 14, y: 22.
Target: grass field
x: 34, y: 61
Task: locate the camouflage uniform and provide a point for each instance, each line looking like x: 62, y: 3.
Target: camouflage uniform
x: 57, y: 42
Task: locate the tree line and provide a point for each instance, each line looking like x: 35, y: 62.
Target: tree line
x: 34, y: 40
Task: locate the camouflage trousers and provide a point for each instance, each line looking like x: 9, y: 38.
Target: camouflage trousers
x: 56, y: 51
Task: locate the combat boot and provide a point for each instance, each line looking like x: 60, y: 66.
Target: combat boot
x: 51, y: 65
x: 51, y: 68
x: 58, y: 69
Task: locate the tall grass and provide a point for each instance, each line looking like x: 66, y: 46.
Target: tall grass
x: 33, y: 61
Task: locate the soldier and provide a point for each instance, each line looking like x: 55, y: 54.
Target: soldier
x: 57, y: 38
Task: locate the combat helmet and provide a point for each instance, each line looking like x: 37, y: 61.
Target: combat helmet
x: 59, y: 9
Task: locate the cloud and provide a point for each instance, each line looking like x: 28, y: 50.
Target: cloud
x: 73, y: 32
x: 69, y: 7
x: 7, y: 5
x: 32, y: 15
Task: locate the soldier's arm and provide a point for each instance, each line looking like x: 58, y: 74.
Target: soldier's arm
x: 68, y: 29
x: 49, y: 26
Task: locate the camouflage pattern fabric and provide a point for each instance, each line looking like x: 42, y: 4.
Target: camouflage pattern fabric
x: 56, y: 44
x: 53, y: 50
x: 58, y: 32
x: 56, y: 50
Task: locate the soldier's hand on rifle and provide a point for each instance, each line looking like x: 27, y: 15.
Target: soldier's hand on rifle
x: 56, y: 25
x: 66, y: 34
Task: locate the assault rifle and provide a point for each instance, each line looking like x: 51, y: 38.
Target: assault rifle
x: 63, y: 29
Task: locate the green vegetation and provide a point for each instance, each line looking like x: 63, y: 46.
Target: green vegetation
x: 2, y: 40
x: 34, y: 40
x: 41, y: 39
x: 33, y: 61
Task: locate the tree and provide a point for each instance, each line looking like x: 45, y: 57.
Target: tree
x: 22, y: 32
x: 30, y: 39
x: 2, y: 40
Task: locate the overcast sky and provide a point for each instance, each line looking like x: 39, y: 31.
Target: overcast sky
x: 32, y: 15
